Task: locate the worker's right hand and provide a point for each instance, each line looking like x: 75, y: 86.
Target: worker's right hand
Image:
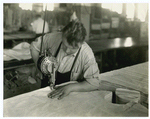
x: 61, y: 91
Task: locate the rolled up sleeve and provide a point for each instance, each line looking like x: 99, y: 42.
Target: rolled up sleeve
x: 36, y: 44
x: 91, y: 72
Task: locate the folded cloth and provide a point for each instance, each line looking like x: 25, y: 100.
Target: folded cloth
x: 31, y: 80
x: 19, y: 52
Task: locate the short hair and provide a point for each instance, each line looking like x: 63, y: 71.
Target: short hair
x: 74, y: 32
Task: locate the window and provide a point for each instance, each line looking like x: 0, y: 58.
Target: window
x: 117, y: 7
x: 28, y: 6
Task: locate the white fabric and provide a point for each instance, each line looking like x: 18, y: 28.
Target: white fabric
x: 31, y: 80
x: 83, y: 104
x: 37, y: 26
x: 19, y: 52
x: 134, y: 77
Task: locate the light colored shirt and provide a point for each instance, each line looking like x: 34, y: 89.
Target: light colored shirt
x: 85, y: 66
x: 37, y: 26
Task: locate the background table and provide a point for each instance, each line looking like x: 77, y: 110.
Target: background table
x: 12, y: 39
x: 36, y: 103
x: 110, y: 51
x: 19, y: 36
x: 116, y: 43
x: 16, y: 64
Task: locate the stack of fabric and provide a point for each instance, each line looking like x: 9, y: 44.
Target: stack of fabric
x: 19, y: 52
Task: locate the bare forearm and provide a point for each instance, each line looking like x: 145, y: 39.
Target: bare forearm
x: 62, y: 91
x: 103, y: 85
x: 108, y: 86
x: 83, y: 87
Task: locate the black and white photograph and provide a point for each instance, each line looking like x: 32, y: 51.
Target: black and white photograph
x: 75, y: 59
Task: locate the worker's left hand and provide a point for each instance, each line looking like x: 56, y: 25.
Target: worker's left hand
x: 61, y: 91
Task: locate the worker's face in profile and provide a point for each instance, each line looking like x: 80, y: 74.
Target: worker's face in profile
x: 69, y: 49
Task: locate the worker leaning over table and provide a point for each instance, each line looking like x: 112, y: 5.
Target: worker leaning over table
x: 76, y: 61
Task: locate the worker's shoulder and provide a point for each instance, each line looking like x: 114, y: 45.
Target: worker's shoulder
x: 55, y: 35
x: 87, y: 51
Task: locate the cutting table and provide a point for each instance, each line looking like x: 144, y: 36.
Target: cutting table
x: 83, y: 104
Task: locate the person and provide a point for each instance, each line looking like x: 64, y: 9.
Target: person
x: 37, y: 25
x: 76, y: 61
